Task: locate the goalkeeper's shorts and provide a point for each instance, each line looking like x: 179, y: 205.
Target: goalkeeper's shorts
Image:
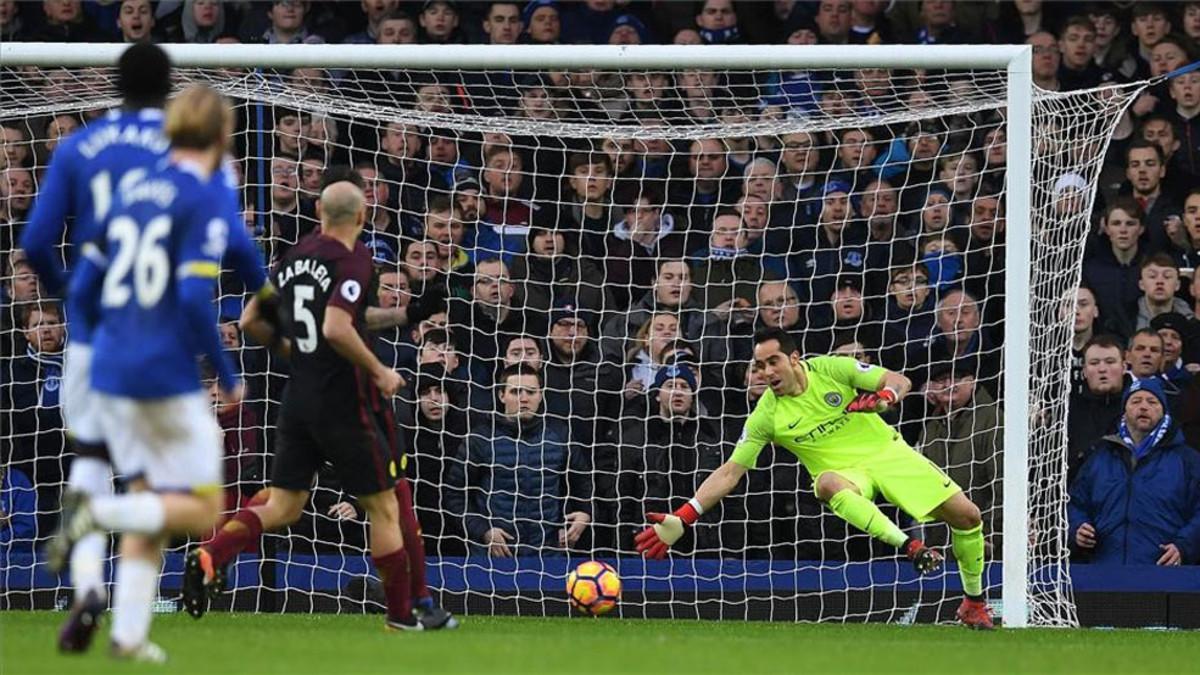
x: 905, y: 478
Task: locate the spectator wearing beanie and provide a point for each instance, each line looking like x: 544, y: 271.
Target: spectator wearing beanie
x: 964, y: 436
x: 586, y: 395
x: 439, y: 22
x: 433, y: 428
x: 627, y: 29
x: 543, y: 22
x: 1178, y: 333
x: 1136, y: 501
x: 669, y: 454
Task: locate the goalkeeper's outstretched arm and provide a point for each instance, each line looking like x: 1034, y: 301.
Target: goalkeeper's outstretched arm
x: 668, y: 528
x: 892, y: 388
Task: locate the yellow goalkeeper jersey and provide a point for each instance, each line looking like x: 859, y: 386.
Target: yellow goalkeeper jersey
x: 815, y: 426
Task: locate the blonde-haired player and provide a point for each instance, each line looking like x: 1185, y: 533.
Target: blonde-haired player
x: 148, y: 287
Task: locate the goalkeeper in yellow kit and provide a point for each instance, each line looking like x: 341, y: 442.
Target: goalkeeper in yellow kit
x: 825, y: 411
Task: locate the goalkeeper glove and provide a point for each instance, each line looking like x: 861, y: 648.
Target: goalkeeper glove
x: 432, y: 301
x: 668, y: 528
x: 874, y: 402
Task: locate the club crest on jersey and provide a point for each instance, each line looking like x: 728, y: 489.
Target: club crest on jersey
x: 351, y: 290
x: 834, y: 399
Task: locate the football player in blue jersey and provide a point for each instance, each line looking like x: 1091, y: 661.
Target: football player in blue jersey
x: 76, y: 196
x: 150, y: 281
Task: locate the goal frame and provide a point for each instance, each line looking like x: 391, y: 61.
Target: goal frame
x: 1015, y: 60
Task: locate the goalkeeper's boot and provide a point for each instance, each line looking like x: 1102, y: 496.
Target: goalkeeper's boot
x: 434, y: 617
x: 203, y: 580
x: 411, y: 623
x: 924, y: 559
x: 974, y: 614
x: 76, y: 521
x: 147, y: 652
x: 77, y: 633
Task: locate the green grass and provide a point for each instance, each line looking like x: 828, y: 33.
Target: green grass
x: 326, y: 644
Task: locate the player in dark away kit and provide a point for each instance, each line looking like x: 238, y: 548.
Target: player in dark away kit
x: 336, y: 409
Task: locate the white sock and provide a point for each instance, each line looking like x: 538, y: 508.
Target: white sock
x: 140, y: 512
x: 90, y: 476
x: 87, y: 564
x: 133, y: 601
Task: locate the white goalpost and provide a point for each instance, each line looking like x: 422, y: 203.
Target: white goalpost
x: 763, y: 137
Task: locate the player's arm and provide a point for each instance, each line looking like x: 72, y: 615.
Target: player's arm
x: 432, y: 301
x: 891, y: 388
x: 881, y: 388
x: 241, y: 254
x: 198, y: 270
x: 260, y: 320
x: 86, y: 284
x: 47, y: 222
x: 196, y: 298
x: 243, y: 258
x: 668, y: 528
x: 339, y: 330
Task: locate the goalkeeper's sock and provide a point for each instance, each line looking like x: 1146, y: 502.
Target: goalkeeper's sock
x: 410, y: 528
x: 968, y: 550
x: 863, y: 514
x: 139, y: 512
x: 241, y: 530
x: 393, y: 572
x: 133, y: 601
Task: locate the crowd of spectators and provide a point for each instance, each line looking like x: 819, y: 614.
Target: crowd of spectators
x: 592, y: 362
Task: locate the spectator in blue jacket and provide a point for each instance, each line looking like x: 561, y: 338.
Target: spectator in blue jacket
x: 1136, y: 501
x: 518, y: 484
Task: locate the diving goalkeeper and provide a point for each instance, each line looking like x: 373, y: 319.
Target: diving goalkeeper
x: 825, y: 411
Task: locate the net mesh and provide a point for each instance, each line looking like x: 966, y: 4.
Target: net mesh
x: 645, y: 223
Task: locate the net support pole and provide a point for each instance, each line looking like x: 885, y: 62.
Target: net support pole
x: 1015, y: 554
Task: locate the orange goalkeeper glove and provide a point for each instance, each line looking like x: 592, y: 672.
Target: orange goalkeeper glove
x: 668, y: 528
x: 875, y: 402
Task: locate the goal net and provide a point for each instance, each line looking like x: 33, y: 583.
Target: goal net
x: 624, y: 232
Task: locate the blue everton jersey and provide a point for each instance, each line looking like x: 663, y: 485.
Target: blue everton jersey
x: 85, y: 171
x: 154, y: 310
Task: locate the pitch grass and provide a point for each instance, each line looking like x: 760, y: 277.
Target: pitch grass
x: 326, y: 644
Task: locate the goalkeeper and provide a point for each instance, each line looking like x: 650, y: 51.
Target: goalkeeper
x: 825, y: 411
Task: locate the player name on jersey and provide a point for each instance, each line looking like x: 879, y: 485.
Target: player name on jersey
x: 304, y: 266
x: 160, y: 192
x: 138, y: 134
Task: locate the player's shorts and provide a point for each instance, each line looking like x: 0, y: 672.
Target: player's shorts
x: 361, y: 449
x: 905, y: 478
x: 174, y: 443
x: 80, y: 411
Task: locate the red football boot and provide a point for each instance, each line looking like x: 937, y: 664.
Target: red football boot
x: 974, y: 614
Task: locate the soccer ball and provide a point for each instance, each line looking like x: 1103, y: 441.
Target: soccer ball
x: 593, y: 587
